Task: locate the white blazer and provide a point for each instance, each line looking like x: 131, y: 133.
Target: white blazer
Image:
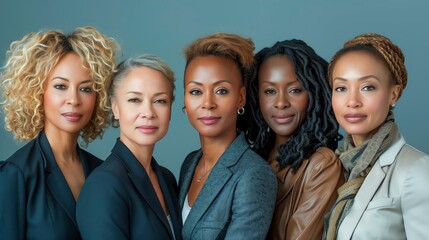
x: 393, y: 201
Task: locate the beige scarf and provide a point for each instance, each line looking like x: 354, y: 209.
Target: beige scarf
x: 357, y: 161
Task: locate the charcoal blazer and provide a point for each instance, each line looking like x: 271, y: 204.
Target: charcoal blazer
x: 237, y: 199
x: 35, y: 199
x: 119, y: 202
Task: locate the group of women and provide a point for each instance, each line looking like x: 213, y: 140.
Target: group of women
x: 271, y: 164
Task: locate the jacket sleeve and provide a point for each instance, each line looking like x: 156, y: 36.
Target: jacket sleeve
x: 253, y: 204
x: 12, y: 202
x: 102, y: 210
x: 323, y: 176
x: 415, y: 199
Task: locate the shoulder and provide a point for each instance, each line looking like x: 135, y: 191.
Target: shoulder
x: 167, y: 174
x: 324, y: 158
x: 25, y: 155
x: 251, y: 165
x: 110, y: 172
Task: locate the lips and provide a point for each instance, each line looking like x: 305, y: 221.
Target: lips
x: 209, y: 120
x: 355, y: 117
x: 283, y: 119
x: 147, y: 129
x: 72, y: 116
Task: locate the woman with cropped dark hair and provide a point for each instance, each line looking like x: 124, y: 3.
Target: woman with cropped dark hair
x: 226, y: 190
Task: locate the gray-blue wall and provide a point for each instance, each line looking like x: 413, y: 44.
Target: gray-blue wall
x: 164, y: 27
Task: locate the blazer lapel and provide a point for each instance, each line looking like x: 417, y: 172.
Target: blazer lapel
x: 217, y: 179
x: 369, y: 188
x: 140, y: 179
x: 288, y: 180
x: 56, y: 182
x: 185, y: 180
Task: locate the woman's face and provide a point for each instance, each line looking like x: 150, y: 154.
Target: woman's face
x: 213, y: 94
x: 68, y: 98
x: 282, y: 98
x: 362, y: 94
x: 142, y: 103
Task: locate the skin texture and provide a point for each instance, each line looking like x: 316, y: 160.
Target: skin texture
x: 282, y: 98
x: 362, y: 94
x: 143, y: 106
x: 68, y: 97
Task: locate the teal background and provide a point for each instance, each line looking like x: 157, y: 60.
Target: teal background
x: 164, y: 28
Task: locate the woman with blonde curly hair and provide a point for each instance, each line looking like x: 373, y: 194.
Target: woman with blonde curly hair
x: 385, y: 195
x: 55, y: 90
x: 226, y: 190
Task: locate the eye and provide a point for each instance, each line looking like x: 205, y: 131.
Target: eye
x: 340, y: 89
x: 270, y: 91
x: 195, y: 92
x: 368, y: 88
x: 222, y: 91
x: 134, y: 100
x: 295, y: 90
x: 86, y: 89
x: 160, y: 101
x: 60, y: 86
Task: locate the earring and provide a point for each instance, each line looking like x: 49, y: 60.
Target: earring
x: 241, y: 111
x: 393, y: 105
x: 184, y: 110
x: 116, y: 118
x: 268, y: 129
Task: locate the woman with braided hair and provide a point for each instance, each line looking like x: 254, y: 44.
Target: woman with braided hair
x: 293, y: 127
x: 385, y: 196
x: 55, y: 91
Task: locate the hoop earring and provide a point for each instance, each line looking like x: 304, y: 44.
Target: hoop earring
x: 184, y: 110
x: 241, y: 111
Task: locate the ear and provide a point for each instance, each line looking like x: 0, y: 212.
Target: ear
x: 242, y: 100
x: 115, y: 108
x: 396, y: 89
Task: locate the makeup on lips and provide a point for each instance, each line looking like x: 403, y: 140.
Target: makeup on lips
x: 72, y: 116
x: 355, y: 117
x: 209, y: 120
x: 147, y: 129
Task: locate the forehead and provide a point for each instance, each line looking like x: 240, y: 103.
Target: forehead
x: 360, y: 62
x: 202, y: 69
x: 145, y: 79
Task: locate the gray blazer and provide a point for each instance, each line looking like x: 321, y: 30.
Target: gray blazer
x: 393, y: 201
x: 237, y: 199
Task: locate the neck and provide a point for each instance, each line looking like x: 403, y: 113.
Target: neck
x: 63, y: 145
x: 213, y: 148
x: 143, y: 153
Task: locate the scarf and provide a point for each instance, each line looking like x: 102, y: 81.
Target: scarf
x: 358, y: 162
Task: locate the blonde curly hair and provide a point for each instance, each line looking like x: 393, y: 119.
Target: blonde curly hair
x: 30, y: 60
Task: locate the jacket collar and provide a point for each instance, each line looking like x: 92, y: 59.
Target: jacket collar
x: 215, y: 182
x: 55, y: 180
x: 369, y: 188
x: 141, y: 181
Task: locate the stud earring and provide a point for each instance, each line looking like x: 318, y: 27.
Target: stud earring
x: 184, y: 110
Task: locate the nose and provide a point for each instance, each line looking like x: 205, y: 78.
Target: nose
x: 73, y: 97
x: 209, y: 102
x: 281, y: 101
x: 353, y: 100
x: 147, y: 110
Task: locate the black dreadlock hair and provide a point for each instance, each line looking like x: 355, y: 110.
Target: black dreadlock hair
x: 319, y: 129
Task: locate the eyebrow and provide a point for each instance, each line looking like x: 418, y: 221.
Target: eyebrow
x: 139, y: 93
x: 65, y: 79
x: 216, y: 83
x: 359, y: 79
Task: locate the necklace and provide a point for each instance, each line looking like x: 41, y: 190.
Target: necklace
x: 205, y: 173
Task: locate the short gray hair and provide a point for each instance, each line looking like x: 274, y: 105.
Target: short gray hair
x: 144, y: 60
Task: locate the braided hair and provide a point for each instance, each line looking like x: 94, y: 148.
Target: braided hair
x: 319, y: 129
x: 381, y: 48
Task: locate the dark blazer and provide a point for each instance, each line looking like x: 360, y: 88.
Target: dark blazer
x: 237, y: 199
x: 119, y: 202
x: 35, y: 199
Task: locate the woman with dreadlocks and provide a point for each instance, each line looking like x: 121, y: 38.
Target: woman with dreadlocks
x: 386, y: 195
x: 293, y: 127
